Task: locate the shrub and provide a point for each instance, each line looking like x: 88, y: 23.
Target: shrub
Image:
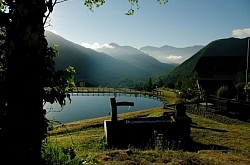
x: 222, y: 92
x: 54, y: 155
x: 240, y: 87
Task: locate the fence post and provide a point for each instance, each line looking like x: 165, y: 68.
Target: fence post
x: 113, y: 109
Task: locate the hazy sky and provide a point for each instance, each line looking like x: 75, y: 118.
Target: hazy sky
x: 179, y: 23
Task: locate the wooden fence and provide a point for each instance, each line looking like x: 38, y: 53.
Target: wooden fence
x: 233, y: 108
x: 101, y: 91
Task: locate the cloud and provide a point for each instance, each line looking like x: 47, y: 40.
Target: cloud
x: 96, y: 45
x: 169, y: 59
x: 241, y: 33
x: 173, y: 57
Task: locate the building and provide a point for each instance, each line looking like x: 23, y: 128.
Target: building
x: 223, y: 63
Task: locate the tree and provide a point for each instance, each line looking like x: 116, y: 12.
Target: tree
x: 149, y: 85
x: 28, y: 77
x: 23, y: 125
x: 160, y: 82
x: 27, y: 68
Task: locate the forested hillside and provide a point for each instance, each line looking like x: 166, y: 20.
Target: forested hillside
x: 97, y: 68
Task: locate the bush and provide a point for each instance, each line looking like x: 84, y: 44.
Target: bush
x: 54, y: 155
x: 222, y: 92
x: 240, y: 87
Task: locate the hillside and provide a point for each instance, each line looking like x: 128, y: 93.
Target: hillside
x: 99, y: 68
x: 170, y: 54
x: 223, y: 47
x: 137, y: 58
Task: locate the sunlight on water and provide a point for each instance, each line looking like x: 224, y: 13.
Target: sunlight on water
x: 85, y: 106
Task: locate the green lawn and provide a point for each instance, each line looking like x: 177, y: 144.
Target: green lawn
x: 217, y: 143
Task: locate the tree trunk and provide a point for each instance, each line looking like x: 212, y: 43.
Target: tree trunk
x: 25, y: 116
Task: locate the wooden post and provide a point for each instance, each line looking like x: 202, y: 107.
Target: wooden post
x: 206, y: 103
x: 113, y: 109
x: 114, y: 105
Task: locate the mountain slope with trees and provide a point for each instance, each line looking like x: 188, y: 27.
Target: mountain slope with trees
x: 104, y: 69
x: 170, y: 54
x: 137, y: 58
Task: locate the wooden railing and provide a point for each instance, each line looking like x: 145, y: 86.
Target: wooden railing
x: 79, y: 90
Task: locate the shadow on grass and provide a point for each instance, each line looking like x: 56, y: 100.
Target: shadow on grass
x: 242, y: 116
x: 211, y: 129
x: 195, y: 147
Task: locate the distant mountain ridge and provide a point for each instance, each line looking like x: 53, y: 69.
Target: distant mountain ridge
x: 137, y: 58
x: 170, y: 54
x: 100, y: 68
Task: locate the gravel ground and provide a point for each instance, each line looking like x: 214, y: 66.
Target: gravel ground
x: 214, y: 114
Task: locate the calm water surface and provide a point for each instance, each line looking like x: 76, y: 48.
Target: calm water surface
x: 85, y: 106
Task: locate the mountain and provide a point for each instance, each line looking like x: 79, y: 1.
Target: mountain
x: 222, y: 48
x: 98, y: 68
x: 137, y: 58
x: 170, y: 54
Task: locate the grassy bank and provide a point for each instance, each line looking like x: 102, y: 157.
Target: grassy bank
x: 213, y: 143
x: 216, y: 142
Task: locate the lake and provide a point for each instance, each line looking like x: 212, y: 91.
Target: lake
x: 92, y: 105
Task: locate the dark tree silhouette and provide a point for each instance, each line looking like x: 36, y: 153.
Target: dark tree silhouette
x: 28, y: 79
x: 24, y: 124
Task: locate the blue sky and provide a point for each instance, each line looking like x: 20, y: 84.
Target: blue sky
x: 179, y: 23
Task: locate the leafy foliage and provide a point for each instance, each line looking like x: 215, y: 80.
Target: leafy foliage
x: 3, y: 63
x: 97, y: 3
x: 54, y: 155
x: 57, y: 83
x: 91, y: 3
x: 240, y: 87
x: 61, y: 84
x: 222, y: 92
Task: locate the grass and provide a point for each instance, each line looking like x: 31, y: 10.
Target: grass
x: 218, y: 143
x: 169, y: 96
x: 235, y: 138
x: 214, y: 143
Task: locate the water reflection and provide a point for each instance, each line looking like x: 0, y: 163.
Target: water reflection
x: 92, y: 105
